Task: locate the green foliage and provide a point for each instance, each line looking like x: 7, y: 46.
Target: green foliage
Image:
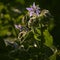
x: 48, y: 39
x: 53, y: 57
x: 21, y: 1
x: 34, y: 44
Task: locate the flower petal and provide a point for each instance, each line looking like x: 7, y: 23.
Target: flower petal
x: 37, y: 7
x: 29, y: 9
x: 34, y: 5
x: 16, y: 26
x: 31, y: 13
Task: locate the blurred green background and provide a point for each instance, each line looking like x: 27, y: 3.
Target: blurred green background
x: 12, y: 11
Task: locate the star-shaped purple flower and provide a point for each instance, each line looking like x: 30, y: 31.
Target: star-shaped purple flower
x: 34, y: 10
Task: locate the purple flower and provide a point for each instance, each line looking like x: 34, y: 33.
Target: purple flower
x: 19, y: 27
x: 34, y: 10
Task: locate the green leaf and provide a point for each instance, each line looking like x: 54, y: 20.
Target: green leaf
x: 48, y: 38
x: 37, y: 37
x: 38, y: 31
x: 53, y: 57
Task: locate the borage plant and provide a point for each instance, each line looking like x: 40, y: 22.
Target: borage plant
x: 35, y: 41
